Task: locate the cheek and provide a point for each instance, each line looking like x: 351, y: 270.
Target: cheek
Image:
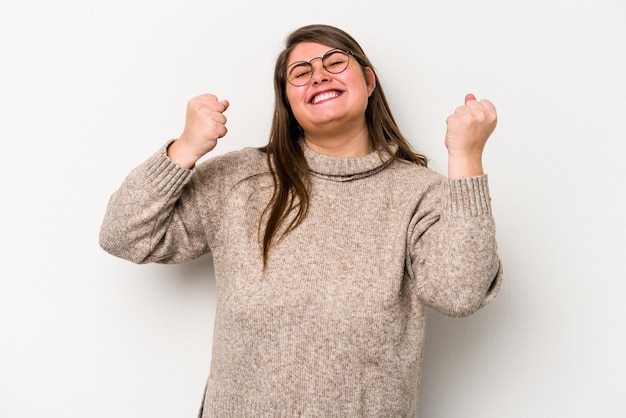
x: 294, y: 95
x: 295, y: 98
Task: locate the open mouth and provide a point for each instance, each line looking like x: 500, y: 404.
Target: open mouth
x: 325, y: 96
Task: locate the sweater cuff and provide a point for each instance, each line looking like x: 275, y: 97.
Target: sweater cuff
x: 469, y: 196
x: 164, y: 175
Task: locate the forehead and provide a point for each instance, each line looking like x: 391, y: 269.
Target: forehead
x: 305, y: 51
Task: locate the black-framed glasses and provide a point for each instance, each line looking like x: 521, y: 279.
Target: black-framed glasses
x: 334, y: 61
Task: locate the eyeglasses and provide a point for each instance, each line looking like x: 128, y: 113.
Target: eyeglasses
x: 334, y: 61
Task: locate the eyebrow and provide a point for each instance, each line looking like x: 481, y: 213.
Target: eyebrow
x: 300, y: 62
x: 295, y: 65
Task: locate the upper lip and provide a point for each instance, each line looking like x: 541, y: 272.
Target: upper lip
x: 317, y: 93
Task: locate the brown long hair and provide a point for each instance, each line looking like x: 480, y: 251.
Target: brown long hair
x: 286, y: 160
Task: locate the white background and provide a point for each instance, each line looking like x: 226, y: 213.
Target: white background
x: 89, y: 89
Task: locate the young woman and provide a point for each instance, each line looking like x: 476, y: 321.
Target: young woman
x: 329, y: 243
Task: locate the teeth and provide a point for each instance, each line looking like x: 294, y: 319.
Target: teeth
x: 325, y: 96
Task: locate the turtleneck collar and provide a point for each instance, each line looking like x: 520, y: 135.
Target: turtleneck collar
x: 346, y: 168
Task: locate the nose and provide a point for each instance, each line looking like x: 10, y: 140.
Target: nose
x: 320, y: 74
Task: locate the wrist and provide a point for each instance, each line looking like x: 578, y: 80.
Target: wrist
x: 464, y: 167
x: 181, y: 155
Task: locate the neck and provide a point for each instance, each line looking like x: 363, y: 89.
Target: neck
x: 355, y: 144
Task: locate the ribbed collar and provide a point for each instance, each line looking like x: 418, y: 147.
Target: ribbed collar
x: 346, y: 168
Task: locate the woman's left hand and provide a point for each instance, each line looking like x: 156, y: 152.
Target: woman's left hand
x: 469, y: 127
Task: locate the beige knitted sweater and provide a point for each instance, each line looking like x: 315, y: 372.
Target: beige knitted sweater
x: 335, y: 326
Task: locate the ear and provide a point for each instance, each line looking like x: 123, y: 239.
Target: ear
x: 370, y: 80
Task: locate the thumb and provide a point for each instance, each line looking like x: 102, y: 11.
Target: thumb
x: 469, y: 97
x: 225, y: 103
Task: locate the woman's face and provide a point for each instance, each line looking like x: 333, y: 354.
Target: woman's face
x: 328, y: 102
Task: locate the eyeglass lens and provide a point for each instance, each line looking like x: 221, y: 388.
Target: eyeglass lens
x: 334, y: 61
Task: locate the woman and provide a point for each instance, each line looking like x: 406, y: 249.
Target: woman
x: 329, y: 244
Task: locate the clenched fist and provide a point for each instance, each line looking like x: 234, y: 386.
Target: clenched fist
x: 205, y: 123
x: 469, y: 127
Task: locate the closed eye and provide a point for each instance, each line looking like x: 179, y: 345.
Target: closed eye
x: 300, y: 70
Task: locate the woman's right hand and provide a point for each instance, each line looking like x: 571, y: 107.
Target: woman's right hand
x: 205, y: 123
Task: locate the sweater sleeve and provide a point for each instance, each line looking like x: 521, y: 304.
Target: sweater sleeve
x: 154, y: 216
x: 452, y: 247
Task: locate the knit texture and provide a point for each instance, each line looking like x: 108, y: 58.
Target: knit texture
x: 334, y: 327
